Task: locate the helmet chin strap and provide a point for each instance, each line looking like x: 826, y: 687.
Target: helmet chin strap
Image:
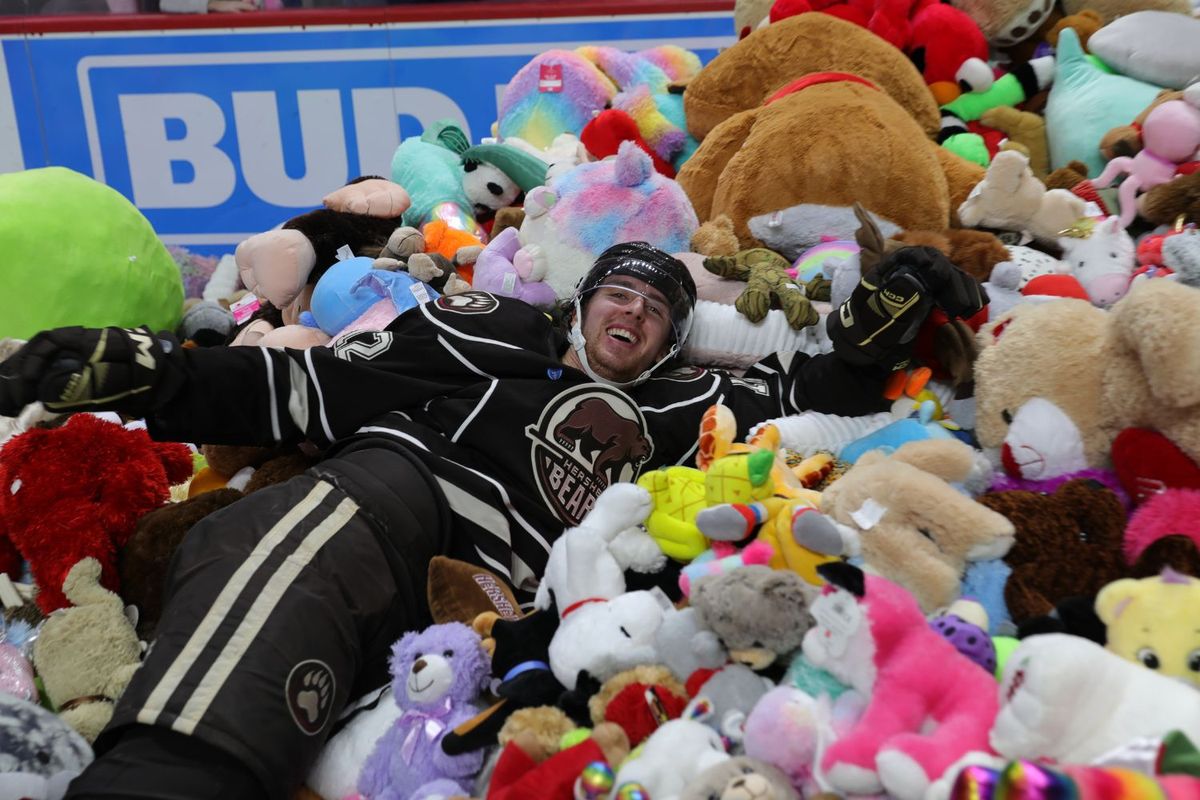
x: 579, y: 345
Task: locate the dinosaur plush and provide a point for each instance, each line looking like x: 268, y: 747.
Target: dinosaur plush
x: 768, y: 285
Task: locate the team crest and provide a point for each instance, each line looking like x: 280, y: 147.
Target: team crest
x: 309, y: 692
x: 468, y: 303
x: 587, y: 438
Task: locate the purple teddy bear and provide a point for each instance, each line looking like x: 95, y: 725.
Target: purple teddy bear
x: 435, y: 675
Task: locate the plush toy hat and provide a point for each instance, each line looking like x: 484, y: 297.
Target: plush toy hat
x: 526, y: 170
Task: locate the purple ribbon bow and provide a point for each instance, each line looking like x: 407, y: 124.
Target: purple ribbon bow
x: 429, y: 722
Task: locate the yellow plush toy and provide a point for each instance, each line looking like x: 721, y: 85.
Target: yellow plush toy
x: 1153, y: 621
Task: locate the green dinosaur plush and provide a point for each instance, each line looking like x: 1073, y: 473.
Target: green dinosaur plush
x: 768, y: 285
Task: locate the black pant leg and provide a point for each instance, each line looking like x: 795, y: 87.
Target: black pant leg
x: 279, y: 607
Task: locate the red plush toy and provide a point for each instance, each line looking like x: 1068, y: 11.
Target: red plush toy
x: 604, y: 134
x: 78, y: 491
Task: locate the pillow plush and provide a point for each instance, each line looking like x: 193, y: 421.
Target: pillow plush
x: 1153, y: 46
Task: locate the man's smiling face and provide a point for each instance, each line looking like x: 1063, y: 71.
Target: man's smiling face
x: 626, y: 327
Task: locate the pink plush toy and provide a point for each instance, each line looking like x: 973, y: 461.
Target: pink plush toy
x: 1170, y: 136
x: 929, y: 705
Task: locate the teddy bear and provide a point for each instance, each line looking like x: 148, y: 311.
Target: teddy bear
x: 1011, y: 198
x: 77, y: 491
x: 784, y: 185
x: 580, y: 214
x: 915, y: 528
x: 740, y: 778
x: 1109, y: 371
x: 603, y: 629
x: 87, y: 654
x: 639, y: 700
x: 436, y: 675
x: 871, y: 634
x: 1070, y: 700
x: 1067, y: 544
x: 1150, y: 621
x: 39, y: 753
x: 759, y: 614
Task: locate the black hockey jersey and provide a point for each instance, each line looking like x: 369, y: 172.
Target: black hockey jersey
x: 474, y: 386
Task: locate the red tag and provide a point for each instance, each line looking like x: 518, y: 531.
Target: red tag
x: 550, y: 78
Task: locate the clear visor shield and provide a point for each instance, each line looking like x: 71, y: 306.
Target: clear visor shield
x: 623, y: 293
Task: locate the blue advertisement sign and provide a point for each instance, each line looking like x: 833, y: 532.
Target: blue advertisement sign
x: 218, y: 134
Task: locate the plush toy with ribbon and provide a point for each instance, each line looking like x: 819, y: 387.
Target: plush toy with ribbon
x: 436, y: 674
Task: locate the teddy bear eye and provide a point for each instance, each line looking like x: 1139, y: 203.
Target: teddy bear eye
x: 448, y: 653
x: 1193, y: 662
x: 1006, y: 416
x: 1148, y: 657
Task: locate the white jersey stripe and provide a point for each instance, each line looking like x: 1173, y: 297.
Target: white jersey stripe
x: 266, y: 602
x: 220, y: 608
x: 425, y: 310
x: 476, y: 511
x: 271, y: 393
x: 312, y: 373
x: 463, y: 359
x: 298, y: 396
x: 716, y: 384
x: 475, y: 411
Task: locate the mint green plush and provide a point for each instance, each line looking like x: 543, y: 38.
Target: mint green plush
x: 75, y: 252
x: 1086, y: 103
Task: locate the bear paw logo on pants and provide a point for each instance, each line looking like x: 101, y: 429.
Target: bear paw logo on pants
x: 309, y: 691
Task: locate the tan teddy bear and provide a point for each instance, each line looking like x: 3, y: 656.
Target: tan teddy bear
x: 1135, y: 366
x: 916, y: 529
x: 87, y: 654
x: 1010, y: 198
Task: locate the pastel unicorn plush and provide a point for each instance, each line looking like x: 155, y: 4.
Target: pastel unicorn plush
x: 1170, y: 136
x: 581, y: 214
x: 1102, y: 256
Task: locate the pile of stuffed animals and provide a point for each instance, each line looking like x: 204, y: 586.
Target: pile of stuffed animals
x: 991, y: 589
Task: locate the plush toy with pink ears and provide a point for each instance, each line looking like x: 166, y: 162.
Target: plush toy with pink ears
x: 1171, y: 136
x: 929, y: 705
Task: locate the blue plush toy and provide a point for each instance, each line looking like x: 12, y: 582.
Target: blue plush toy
x: 436, y: 674
x: 890, y: 437
x: 349, y: 288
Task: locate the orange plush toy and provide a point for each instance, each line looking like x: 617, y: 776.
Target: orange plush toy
x: 78, y: 491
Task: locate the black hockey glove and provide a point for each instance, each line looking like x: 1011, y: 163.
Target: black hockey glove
x: 86, y: 369
x: 880, y: 320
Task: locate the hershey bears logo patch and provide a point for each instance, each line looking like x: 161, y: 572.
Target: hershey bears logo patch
x: 587, y: 438
x: 468, y: 303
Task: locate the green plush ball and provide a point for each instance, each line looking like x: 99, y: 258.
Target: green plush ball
x: 1005, y: 645
x: 76, y: 252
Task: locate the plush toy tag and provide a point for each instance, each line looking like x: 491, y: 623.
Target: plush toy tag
x: 9, y: 596
x: 510, y: 283
x: 840, y: 615
x: 869, y: 514
x: 244, y: 308
x: 418, y: 291
x: 344, y: 253
x: 550, y: 79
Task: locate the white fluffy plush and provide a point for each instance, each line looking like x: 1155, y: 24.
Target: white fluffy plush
x: 673, y: 757
x: 1069, y: 699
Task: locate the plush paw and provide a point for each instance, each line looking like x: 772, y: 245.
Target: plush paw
x: 531, y: 263
x: 621, y: 506
x: 374, y: 197
x: 901, y: 776
x: 634, y: 549
x: 817, y: 532
x: 853, y: 779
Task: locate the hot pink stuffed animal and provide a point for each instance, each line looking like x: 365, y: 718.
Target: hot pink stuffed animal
x: 1170, y: 136
x: 929, y: 705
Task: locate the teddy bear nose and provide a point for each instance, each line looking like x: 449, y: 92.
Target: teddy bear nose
x: 417, y: 667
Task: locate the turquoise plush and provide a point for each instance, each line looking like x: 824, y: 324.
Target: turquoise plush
x: 76, y: 252
x: 1085, y: 103
x: 430, y: 169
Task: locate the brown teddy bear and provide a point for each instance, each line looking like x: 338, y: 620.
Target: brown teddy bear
x: 1135, y: 366
x: 848, y: 120
x: 1068, y: 544
x: 916, y: 529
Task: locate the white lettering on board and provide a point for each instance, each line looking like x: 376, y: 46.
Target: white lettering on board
x: 260, y: 146
x: 144, y: 119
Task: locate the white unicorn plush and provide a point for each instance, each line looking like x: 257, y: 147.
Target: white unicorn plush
x: 1102, y: 256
